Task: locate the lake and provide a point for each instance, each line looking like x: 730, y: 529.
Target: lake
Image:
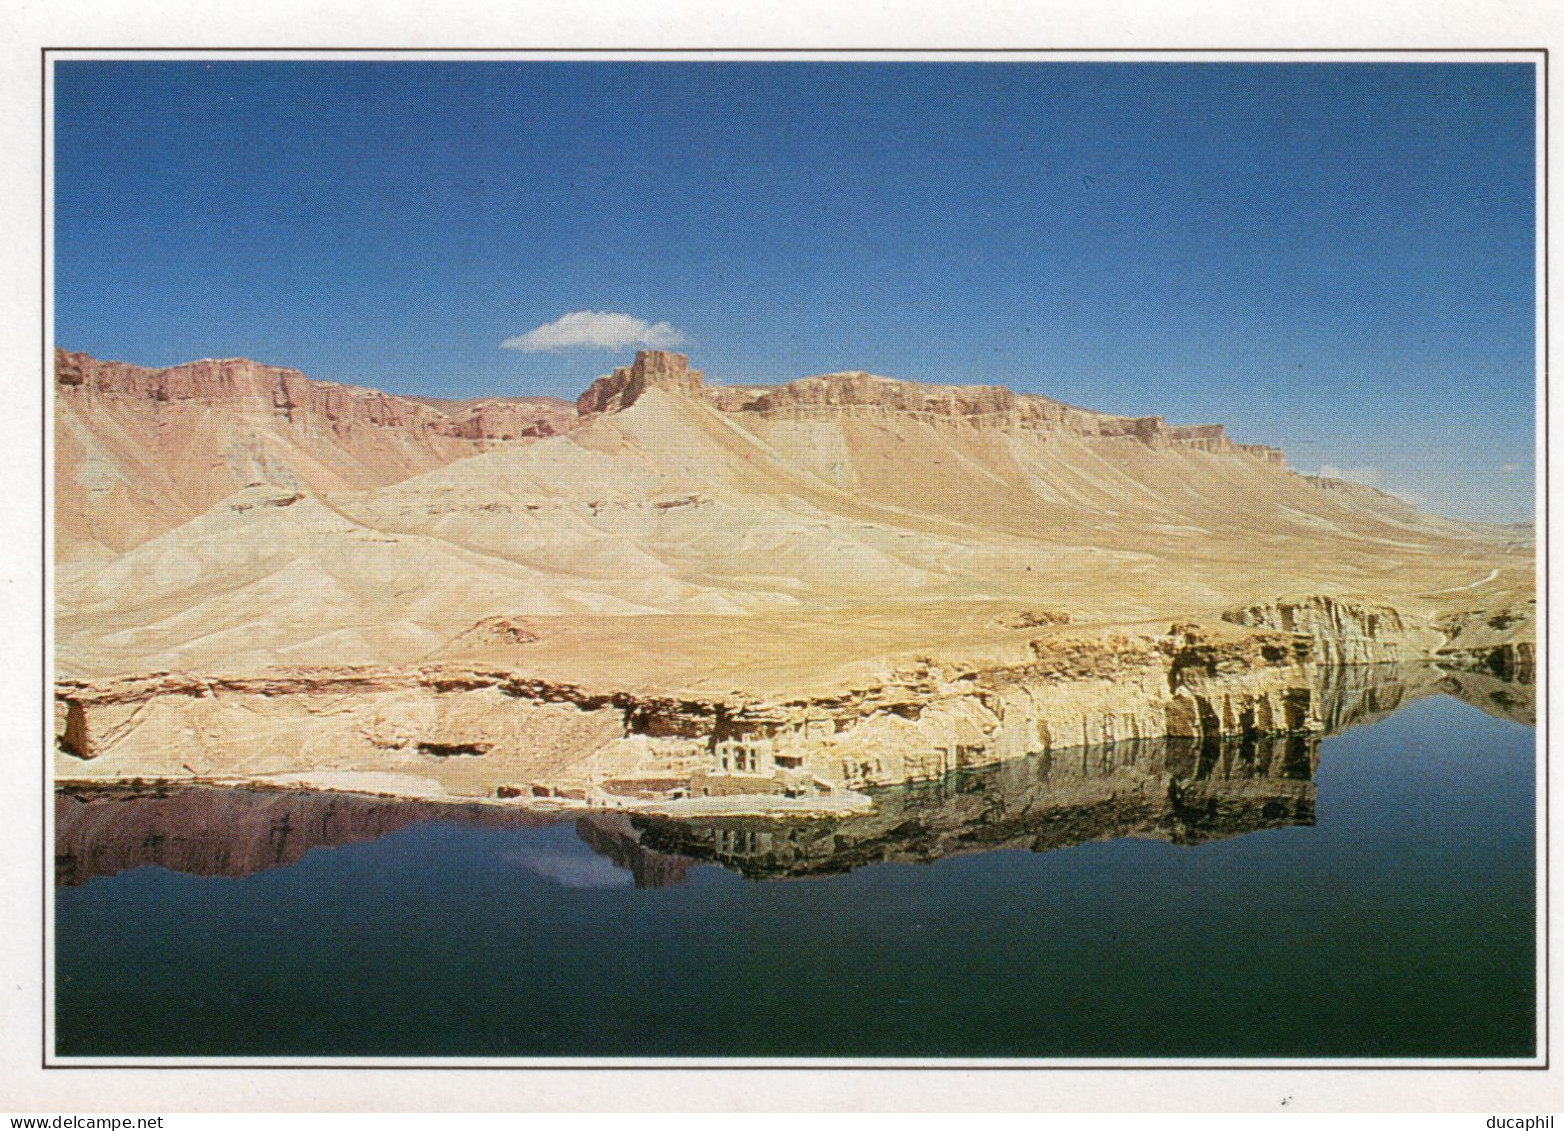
x: 1368, y: 895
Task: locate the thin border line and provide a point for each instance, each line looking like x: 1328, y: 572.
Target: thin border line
x: 45, y: 606
x: 46, y: 416
x: 819, y: 50
x: 1544, y: 752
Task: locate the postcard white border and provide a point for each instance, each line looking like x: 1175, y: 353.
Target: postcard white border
x: 281, y: 1086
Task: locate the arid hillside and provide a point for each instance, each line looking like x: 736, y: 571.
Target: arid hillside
x: 141, y: 451
x: 671, y: 557
x: 228, y: 516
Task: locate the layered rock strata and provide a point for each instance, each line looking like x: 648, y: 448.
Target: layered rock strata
x: 1179, y: 790
x: 694, y: 593
x: 299, y: 399
x: 652, y: 369
x: 1185, y: 791
x: 445, y: 730
x: 835, y: 394
x: 139, y: 451
x: 1343, y: 632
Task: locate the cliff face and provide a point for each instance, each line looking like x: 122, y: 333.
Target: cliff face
x: 652, y: 369
x: 1343, y: 632
x: 1185, y: 790
x: 442, y: 731
x: 140, y: 451
x: 239, y: 382
x: 831, y: 584
x: 833, y: 394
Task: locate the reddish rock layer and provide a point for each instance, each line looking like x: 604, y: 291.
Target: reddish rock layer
x: 291, y: 394
x: 832, y: 393
x: 140, y: 451
x: 652, y: 369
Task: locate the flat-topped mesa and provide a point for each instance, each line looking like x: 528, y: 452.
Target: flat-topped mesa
x: 864, y: 390
x: 995, y: 405
x: 290, y: 394
x: 652, y: 369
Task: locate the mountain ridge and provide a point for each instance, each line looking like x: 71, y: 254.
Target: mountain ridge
x: 744, y: 549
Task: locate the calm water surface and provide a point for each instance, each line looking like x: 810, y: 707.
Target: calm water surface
x: 1371, y: 896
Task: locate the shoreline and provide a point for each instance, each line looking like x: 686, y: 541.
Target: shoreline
x: 1342, y: 696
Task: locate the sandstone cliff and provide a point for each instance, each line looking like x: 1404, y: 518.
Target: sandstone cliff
x: 1185, y: 790
x: 837, y: 579
x: 445, y: 731
x: 652, y: 369
x: 1343, y: 631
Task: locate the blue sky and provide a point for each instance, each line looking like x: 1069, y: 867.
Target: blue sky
x: 1334, y: 258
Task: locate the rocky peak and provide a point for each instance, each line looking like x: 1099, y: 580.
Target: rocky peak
x: 652, y: 369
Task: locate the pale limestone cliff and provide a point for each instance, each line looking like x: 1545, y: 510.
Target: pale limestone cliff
x: 1184, y: 790
x: 1343, y: 631
x: 797, y: 590
x: 445, y: 730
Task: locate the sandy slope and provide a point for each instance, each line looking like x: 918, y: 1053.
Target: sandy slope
x: 673, y: 543
x: 865, y: 581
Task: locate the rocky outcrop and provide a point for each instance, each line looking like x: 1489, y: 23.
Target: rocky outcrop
x: 140, y: 452
x: 298, y: 399
x: 652, y: 369
x: 1342, y: 631
x: 536, y: 738
x: 814, y: 398
x: 1184, y: 790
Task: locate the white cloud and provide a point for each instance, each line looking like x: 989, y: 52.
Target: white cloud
x: 596, y: 330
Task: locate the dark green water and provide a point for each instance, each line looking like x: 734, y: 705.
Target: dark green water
x: 1379, y: 903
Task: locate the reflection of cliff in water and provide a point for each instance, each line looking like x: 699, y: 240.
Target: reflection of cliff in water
x: 214, y: 831
x: 1178, y: 790
x: 613, y: 835
x: 1513, y: 699
x: 1172, y: 789
x: 1355, y: 696
x: 211, y: 831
